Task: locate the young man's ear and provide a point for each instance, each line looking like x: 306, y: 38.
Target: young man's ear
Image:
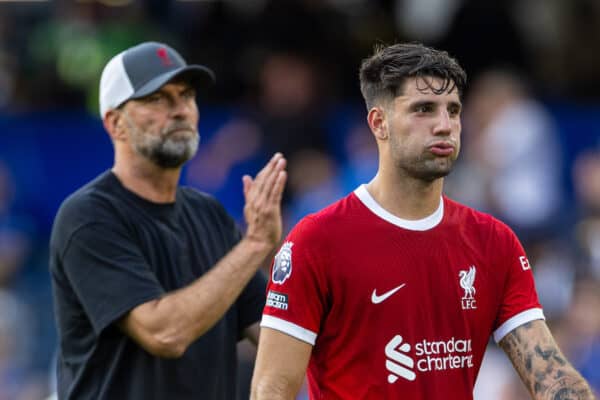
x: 377, y: 120
x: 113, y: 123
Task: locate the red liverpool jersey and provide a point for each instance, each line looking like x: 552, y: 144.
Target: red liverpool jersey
x: 398, y: 309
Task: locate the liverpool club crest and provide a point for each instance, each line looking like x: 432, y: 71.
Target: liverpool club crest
x: 467, y: 281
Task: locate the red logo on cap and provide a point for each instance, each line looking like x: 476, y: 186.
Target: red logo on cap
x: 164, y: 56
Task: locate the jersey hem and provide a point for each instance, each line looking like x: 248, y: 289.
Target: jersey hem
x: 516, y: 321
x: 269, y: 321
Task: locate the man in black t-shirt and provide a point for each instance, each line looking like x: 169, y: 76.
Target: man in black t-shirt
x: 153, y: 283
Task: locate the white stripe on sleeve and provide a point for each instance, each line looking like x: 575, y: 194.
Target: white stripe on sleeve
x: 516, y: 321
x: 289, y: 328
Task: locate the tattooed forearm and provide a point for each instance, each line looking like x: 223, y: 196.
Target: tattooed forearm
x: 542, y: 367
x: 568, y: 388
x: 515, y: 346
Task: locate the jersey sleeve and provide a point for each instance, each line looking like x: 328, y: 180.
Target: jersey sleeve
x: 107, y: 272
x: 297, y: 291
x: 520, y: 302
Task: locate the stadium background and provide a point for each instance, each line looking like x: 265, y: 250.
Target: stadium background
x: 287, y: 80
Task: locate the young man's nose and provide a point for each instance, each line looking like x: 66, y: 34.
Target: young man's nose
x: 443, y: 123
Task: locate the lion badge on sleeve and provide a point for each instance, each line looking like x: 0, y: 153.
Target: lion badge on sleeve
x: 282, y: 267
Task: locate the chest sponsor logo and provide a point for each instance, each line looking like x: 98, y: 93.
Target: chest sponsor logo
x: 375, y: 299
x: 277, y: 300
x: 428, y: 356
x: 282, y: 267
x: 398, y: 363
x: 467, y: 282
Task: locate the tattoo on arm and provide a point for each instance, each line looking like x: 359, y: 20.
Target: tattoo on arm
x: 542, y: 367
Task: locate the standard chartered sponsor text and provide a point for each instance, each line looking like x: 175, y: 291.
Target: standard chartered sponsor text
x: 442, y: 355
x: 277, y: 300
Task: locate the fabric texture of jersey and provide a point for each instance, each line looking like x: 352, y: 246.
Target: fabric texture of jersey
x: 111, y: 251
x: 397, y: 308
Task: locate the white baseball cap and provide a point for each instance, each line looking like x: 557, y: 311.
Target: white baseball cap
x: 142, y: 70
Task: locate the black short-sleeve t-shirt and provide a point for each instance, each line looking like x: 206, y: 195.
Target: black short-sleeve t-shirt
x: 111, y: 250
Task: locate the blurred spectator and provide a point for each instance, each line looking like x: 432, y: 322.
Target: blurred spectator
x: 555, y: 274
x: 484, y: 34
x: 236, y: 141
x: 14, y: 229
x: 586, y: 181
x: 578, y: 332
x: 16, y: 320
x: 511, y: 163
x: 569, y: 67
x: 291, y: 104
x: 234, y: 149
x: 496, y: 377
x: 7, y: 75
x: 288, y: 116
x: 425, y: 20
x: 16, y: 379
x: 361, y: 159
x: 319, y: 178
x: 314, y: 181
x: 62, y: 55
x: 55, y: 47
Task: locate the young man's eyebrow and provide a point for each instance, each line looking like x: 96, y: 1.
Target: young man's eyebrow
x: 425, y: 102
x: 420, y: 103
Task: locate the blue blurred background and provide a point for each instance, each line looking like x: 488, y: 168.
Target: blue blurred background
x: 287, y: 81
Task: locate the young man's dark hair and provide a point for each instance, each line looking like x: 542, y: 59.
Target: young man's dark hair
x: 383, y: 74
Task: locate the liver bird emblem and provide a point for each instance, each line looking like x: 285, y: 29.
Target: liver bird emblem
x: 467, y: 279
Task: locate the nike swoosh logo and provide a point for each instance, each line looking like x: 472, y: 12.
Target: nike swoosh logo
x: 378, y: 299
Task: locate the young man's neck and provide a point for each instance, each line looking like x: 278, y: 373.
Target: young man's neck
x: 406, y: 198
x: 149, y: 181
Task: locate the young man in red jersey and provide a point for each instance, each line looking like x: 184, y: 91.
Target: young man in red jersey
x: 393, y: 291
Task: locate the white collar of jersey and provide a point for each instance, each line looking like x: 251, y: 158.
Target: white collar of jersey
x: 414, y: 225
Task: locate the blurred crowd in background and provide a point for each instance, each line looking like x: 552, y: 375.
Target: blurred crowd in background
x: 288, y: 81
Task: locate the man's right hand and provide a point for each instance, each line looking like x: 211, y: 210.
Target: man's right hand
x: 262, y: 210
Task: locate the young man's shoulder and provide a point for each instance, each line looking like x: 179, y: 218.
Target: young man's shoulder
x: 331, y: 218
x: 468, y: 216
x: 339, y: 209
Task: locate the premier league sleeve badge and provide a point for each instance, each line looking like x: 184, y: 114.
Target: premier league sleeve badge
x: 282, y: 267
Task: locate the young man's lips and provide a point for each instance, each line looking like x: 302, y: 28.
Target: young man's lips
x: 441, y: 149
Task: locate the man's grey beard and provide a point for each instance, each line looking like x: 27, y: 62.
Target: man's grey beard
x: 165, y: 149
x: 169, y: 152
